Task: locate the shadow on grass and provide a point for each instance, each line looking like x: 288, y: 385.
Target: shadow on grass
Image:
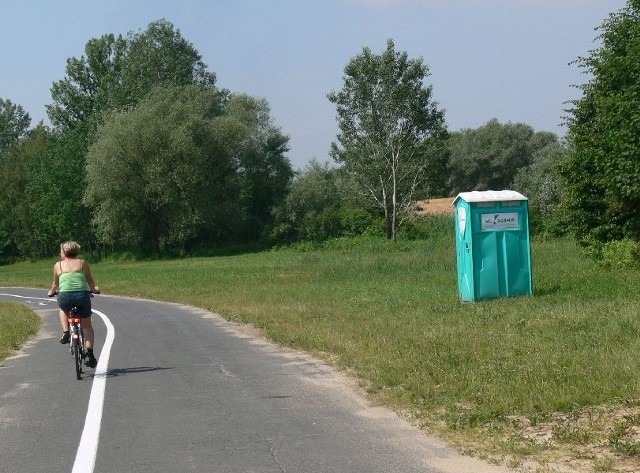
x: 547, y: 290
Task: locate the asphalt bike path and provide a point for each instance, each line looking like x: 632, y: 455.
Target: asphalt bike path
x: 182, y: 390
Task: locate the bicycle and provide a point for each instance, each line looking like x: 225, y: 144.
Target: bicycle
x: 76, y: 343
x: 77, y: 346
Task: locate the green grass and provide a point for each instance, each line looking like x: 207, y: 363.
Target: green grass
x: 17, y: 324
x: 389, y: 314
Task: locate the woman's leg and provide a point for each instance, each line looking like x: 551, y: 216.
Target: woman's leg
x: 64, y: 321
x: 65, y: 327
x: 63, y: 314
x: 87, y: 328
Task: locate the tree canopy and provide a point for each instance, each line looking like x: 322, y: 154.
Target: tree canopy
x: 603, y: 173
x: 171, y: 163
x: 54, y: 192
x: 145, y: 155
x: 541, y: 183
x: 14, y: 124
x: 173, y: 171
x: 117, y: 72
x: 16, y: 223
x: 488, y: 157
x: 391, y: 130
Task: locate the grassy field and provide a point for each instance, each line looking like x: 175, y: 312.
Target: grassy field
x: 553, y: 377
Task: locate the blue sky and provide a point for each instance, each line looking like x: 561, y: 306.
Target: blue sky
x: 504, y: 59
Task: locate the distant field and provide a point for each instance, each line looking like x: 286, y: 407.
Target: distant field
x: 436, y: 206
x: 551, y: 377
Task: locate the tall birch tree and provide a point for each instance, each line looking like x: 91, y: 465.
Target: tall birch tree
x: 392, y: 132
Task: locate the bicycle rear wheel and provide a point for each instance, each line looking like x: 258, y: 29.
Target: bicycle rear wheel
x: 78, y: 358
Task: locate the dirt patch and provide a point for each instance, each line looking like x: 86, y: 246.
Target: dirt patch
x: 435, y: 206
x: 605, y: 439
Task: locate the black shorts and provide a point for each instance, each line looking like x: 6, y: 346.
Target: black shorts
x: 79, y: 299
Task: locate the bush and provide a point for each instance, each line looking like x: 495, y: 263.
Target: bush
x: 621, y: 254
x: 542, y: 185
x: 414, y: 230
x: 321, y: 226
x: 357, y: 222
x: 427, y: 226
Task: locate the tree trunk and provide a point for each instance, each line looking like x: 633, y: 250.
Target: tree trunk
x: 394, y: 198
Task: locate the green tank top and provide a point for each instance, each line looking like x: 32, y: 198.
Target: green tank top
x: 72, y: 282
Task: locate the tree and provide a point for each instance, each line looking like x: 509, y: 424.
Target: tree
x: 170, y: 173
x: 390, y: 129
x: 16, y: 229
x: 488, y: 158
x: 14, y: 126
x: 118, y: 72
x: 310, y: 210
x: 93, y: 84
x: 160, y: 56
x: 263, y: 170
x: 542, y: 184
x: 114, y: 75
x: 14, y: 123
x: 54, y: 193
x: 602, y: 174
x: 155, y: 174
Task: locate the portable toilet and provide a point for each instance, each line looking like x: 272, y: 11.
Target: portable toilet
x: 492, y: 245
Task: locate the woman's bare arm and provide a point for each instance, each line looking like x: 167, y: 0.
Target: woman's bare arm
x: 92, y: 284
x: 55, y: 283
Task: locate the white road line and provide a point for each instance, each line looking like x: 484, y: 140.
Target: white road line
x: 88, y: 448
x: 25, y: 297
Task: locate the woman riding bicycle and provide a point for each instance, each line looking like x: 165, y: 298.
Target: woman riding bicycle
x: 73, y: 282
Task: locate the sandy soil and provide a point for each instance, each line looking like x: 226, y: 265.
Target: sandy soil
x: 435, y: 206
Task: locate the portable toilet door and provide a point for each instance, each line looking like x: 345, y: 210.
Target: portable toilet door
x: 492, y: 245
x: 464, y: 250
